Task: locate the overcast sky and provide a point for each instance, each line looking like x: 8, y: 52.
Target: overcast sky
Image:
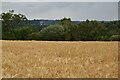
x: 57, y: 10
x: 60, y: 0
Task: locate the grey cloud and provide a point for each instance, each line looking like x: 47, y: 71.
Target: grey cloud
x: 59, y: 0
x: 57, y: 10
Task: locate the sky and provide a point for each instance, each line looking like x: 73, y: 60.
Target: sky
x: 59, y: 0
x: 77, y: 11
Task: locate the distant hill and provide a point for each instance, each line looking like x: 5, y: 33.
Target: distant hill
x: 42, y: 22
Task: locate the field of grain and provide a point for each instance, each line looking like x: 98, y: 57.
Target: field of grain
x: 0, y: 59
x: 44, y: 59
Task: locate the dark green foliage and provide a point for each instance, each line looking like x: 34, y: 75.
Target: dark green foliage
x: 8, y: 35
x: 115, y: 38
x: 64, y: 30
x: 23, y: 33
x: 92, y: 30
x: 10, y: 20
x: 34, y: 36
x: 52, y: 33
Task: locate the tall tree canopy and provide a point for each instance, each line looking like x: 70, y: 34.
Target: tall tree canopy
x: 9, y: 19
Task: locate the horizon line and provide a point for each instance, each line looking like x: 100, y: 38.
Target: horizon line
x: 76, y: 20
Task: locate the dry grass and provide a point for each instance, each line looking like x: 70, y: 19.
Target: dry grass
x: 39, y: 59
x: 0, y: 59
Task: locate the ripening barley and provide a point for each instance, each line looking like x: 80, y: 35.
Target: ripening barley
x: 44, y: 59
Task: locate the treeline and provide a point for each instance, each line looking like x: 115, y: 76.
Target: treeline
x: 64, y: 30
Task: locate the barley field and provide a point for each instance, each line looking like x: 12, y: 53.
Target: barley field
x: 44, y: 59
x: 0, y: 59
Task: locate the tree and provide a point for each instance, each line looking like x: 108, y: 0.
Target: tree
x: 75, y: 33
x: 52, y: 33
x: 10, y: 21
x: 67, y: 24
x: 23, y: 33
x: 34, y: 36
x: 85, y: 32
x: 92, y: 31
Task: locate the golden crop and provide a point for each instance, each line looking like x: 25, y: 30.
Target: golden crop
x: 45, y: 59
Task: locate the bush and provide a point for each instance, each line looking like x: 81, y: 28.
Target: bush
x: 23, y: 33
x: 8, y: 35
x: 52, y: 33
x: 34, y: 36
x: 115, y: 38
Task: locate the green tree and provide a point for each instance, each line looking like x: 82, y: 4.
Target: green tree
x: 92, y: 31
x: 9, y: 21
x: 35, y: 36
x: 67, y: 24
x: 52, y: 33
x: 85, y: 30
x: 23, y: 33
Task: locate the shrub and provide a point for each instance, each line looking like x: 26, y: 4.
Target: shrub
x: 53, y: 33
